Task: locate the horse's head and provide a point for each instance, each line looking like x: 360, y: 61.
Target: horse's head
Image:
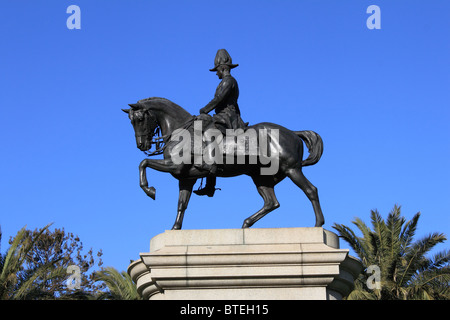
x: 144, y: 123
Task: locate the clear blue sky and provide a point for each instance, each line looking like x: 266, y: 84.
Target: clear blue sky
x: 379, y: 98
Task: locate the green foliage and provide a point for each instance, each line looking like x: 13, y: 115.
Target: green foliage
x: 16, y: 282
x: 35, y: 266
x: 119, y: 284
x: 406, y: 271
x: 36, y: 263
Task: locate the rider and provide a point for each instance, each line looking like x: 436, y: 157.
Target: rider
x: 228, y: 115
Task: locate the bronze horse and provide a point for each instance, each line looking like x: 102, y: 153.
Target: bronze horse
x: 159, y: 115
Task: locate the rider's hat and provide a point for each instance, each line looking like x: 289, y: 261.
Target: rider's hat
x: 223, y: 58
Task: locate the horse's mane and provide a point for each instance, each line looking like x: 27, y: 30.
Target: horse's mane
x: 165, y: 104
x: 153, y: 98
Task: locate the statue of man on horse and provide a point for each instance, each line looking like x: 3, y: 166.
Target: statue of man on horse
x: 160, y: 122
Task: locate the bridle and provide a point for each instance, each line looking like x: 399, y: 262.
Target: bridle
x: 155, y: 133
x: 161, y: 141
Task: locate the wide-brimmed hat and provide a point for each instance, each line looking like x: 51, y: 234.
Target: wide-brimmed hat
x: 223, y: 58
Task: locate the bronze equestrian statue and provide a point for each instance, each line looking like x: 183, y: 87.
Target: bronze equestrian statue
x: 159, y: 122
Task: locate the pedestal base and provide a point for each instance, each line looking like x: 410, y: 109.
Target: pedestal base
x: 245, y: 264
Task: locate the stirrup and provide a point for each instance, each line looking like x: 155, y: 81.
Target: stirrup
x: 206, y: 191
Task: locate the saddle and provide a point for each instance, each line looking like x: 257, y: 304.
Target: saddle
x: 227, y: 141
x: 205, y: 144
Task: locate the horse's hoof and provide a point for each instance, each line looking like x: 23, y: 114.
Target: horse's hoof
x: 176, y: 227
x: 319, y: 224
x: 246, y: 224
x: 151, y: 192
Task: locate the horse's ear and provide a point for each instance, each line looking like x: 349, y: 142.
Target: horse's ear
x: 126, y: 110
x: 135, y: 106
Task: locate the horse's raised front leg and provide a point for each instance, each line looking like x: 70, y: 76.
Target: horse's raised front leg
x: 186, y: 186
x: 160, y: 165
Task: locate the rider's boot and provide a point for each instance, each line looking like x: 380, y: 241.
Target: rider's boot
x: 210, y: 186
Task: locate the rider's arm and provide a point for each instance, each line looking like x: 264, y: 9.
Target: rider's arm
x: 222, y: 91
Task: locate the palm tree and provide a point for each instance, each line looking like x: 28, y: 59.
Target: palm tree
x: 119, y: 284
x: 17, y: 283
x: 406, y: 272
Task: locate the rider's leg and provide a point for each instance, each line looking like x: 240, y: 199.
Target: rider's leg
x: 208, y: 164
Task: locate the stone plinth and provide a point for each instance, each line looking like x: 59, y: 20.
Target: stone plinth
x: 245, y: 264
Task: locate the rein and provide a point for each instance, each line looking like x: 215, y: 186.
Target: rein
x: 158, y: 141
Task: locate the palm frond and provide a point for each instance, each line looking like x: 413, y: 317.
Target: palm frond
x: 408, y: 232
x: 394, y: 223
x: 366, y: 241
x: 380, y: 236
x: 12, y: 251
x: 439, y: 260
x: 415, y: 256
x: 354, y: 242
x: 119, y: 284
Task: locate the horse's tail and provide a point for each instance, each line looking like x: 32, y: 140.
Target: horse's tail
x: 314, y: 144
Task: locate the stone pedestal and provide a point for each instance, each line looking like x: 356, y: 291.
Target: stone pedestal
x: 245, y: 264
